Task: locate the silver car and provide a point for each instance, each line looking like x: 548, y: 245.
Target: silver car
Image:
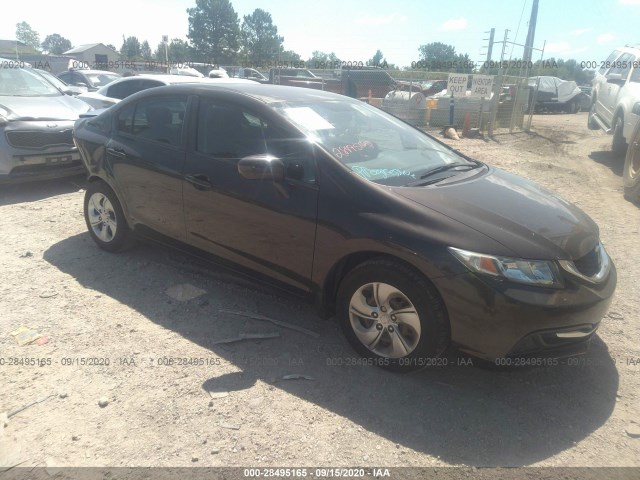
x: 36, y: 122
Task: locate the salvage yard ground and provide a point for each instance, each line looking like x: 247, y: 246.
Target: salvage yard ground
x: 229, y: 404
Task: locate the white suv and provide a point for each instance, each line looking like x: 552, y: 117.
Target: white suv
x: 615, y: 96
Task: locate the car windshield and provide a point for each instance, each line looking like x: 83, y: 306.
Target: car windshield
x: 101, y: 79
x: 24, y: 82
x: 53, y: 80
x: 371, y: 143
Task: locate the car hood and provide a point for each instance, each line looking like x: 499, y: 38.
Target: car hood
x: 61, y: 107
x: 527, y: 219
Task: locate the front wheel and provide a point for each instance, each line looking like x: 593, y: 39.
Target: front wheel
x: 392, y: 315
x: 631, y: 173
x: 105, y: 219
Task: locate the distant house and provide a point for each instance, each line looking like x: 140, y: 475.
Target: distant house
x: 9, y: 49
x: 94, y: 55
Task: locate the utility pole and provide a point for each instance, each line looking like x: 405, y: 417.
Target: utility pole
x: 490, y: 48
x: 528, y: 45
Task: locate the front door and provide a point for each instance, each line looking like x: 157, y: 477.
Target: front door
x: 264, y: 225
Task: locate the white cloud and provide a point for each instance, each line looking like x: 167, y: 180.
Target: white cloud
x: 455, y: 24
x: 629, y: 2
x: 605, y: 38
x: 580, y: 31
x: 375, y: 21
x: 557, y: 47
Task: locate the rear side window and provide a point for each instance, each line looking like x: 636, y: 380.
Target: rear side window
x: 160, y: 119
x: 123, y: 89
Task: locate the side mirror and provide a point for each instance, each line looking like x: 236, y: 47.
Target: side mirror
x: 616, y: 79
x: 261, y: 167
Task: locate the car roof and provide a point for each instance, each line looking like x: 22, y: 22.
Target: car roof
x: 91, y: 71
x: 265, y: 93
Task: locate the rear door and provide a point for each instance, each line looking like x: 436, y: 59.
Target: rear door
x: 264, y: 225
x: 146, y: 153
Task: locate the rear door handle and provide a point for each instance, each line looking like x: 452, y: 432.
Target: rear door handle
x: 200, y: 181
x: 116, y: 152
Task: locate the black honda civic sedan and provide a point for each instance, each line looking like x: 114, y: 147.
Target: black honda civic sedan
x: 412, y: 245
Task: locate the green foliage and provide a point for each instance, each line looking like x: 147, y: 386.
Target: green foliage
x: 178, y: 51
x: 214, y: 31
x: 290, y: 56
x: 377, y: 59
x: 131, y: 49
x: 27, y: 35
x: 440, y: 57
x: 260, y: 40
x: 322, y: 58
x: 56, y: 44
x: 145, y: 50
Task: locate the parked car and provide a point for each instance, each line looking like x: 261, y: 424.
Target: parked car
x: 554, y: 94
x: 413, y: 245
x: 631, y: 172
x: 92, y: 79
x: 615, y: 95
x: 36, y: 121
x: 243, y: 72
x: 60, y: 85
x: 123, y: 87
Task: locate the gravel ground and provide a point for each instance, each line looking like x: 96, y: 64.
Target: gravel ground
x: 171, y: 396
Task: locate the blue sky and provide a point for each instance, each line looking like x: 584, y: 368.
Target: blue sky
x: 355, y: 29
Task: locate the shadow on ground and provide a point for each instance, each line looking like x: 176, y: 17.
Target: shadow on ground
x: 609, y: 159
x: 462, y: 414
x: 35, y: 191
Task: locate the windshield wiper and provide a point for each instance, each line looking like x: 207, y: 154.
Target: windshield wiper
x: 444, y: 168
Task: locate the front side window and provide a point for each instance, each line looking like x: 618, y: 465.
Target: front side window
x: 372, y: 144
x: 230, y: 132
x: 606, y: 65
x: 623, y: 65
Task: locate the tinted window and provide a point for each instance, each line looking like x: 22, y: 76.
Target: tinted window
x: 160, y: 119
x: 227, y: 131
x: 123, y: 89
x: 66, y: 77
x: 125, y: 119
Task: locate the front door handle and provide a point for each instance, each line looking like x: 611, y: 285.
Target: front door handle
x: 200, y: 181
x: 116, y: 152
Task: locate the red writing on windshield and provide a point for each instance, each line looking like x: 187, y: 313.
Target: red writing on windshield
x: 347, y: 150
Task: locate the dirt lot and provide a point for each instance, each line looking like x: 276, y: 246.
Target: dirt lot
x: 163, y: 411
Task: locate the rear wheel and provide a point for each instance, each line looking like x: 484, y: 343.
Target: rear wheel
x: 618, y: 144
x: 105, y: 219
x: 573, y: 106
x: 392, y: 315
x: 631, y: 173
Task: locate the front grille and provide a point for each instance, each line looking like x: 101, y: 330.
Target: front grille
x: 589, y: 265
x: 40, y: 139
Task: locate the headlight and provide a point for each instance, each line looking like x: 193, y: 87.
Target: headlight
x: 533, y: 272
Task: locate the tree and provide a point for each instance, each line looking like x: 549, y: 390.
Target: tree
x: 56, y: 44
x: 145, y: 50
x: 377, y: 59
x: 112, y: 47
x: 27, y: 35
x: 323, y: 60
x: 289, y: 56
x: 131, y: 48
x: 439, y: 57
x: 178, y: 51
x: 260, y: 39
x: 214, y: 31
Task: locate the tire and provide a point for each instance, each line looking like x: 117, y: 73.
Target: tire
x: 591, y: 123
x: 392, y: 315
x: 573, y: 106
x: 631, y: 171
x: 105, y: 219
x: 618, y: 144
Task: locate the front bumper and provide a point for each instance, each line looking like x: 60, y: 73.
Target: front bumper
x: 492, y: 319
x: 46, y: 154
